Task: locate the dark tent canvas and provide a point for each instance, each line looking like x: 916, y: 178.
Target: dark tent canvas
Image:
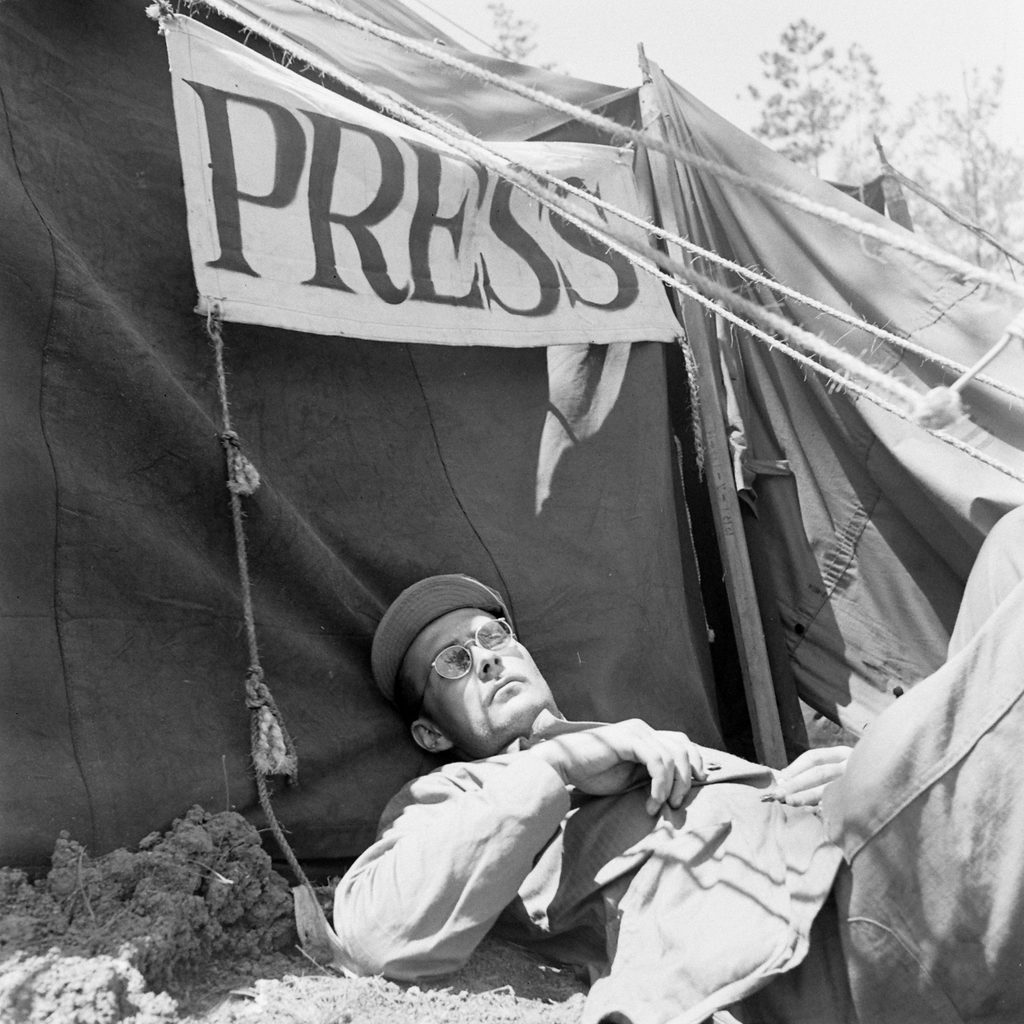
x: 122, y: 626
x: 380, y: 463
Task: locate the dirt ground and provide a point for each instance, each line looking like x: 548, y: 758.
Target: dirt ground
x: 195, y: 927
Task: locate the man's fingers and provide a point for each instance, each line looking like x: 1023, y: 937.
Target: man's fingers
x: 838, y: 755
x: 810, y: 777
x: 806, y: 797
x: 659, y: 759
x: 662, y: 771
x: 680, y: 787
x: 678, y: 763
x: 669, y: 759
x: 803, y: 782
x: 696, y: 761
x: 832, y: 755
x: 689, y: 766
x: 820, y: 764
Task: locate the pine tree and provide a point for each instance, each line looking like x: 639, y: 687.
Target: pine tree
x: 823, y: 110
x: 513, y: 35
x: 947, y: 143
x: 818, y: 104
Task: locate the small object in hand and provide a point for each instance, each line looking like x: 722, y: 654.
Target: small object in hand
x: 773, y: 794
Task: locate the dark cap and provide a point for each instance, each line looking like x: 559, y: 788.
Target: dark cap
x: 414, y: 609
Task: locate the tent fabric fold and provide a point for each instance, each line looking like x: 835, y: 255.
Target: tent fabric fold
x: 486, y: 110
x: 123, y: 683
x: 552, y: 476
x: 871, y: 528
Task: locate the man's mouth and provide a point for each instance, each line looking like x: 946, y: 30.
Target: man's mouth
x: 503, y: 682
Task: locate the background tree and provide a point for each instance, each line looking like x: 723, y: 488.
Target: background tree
x: 814, y: 100
x: 948, y: 144
x: 822, y: 109
x: 514, y: 36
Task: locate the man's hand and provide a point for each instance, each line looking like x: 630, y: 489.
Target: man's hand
x: 802, y: 783
x: 610, y: 758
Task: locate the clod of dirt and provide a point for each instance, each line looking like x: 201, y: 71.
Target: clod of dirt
x: 79, y: 990
x: 200, y: 911
x: 206, y: 889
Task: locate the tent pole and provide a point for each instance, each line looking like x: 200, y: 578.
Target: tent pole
x: 895, y: 201
x: 752, y: 651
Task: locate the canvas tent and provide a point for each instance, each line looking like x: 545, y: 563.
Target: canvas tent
x: 550, y: 472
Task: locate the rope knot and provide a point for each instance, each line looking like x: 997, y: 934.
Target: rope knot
x: 243, y: 476
x: 257, y: 693
x: 272, y: 752
x: 939, y: 408
x: 942, y: 406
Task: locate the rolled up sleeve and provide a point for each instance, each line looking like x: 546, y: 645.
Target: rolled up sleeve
x: 457, y: 847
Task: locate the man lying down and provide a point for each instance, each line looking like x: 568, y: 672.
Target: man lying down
x: 879, y: 886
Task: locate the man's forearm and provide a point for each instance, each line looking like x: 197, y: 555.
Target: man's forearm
x: 419, y: 901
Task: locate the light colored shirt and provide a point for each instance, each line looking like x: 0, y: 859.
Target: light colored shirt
x: 674, y: 915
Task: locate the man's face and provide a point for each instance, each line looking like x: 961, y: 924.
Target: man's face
x: 493, y: 704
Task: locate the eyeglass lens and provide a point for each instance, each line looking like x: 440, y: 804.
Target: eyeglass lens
x: 455, y: 661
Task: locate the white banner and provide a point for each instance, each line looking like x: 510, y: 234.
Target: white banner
x: 312, y: 213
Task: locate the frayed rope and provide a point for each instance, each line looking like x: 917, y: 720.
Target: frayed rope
x: 273, y: 752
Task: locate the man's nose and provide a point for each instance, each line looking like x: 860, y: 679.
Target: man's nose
x: 489, y: 664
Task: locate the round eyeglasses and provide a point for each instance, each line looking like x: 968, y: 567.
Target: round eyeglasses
x: 456, y: 660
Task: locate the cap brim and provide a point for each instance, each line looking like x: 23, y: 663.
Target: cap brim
x: 414, y: 609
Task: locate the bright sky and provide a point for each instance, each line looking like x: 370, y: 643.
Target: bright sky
x: 710, y: 47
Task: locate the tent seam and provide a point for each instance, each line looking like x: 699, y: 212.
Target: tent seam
x: 451, y: 485
x: 836, y: 564
x: 44, y: 360
x: 942, y: 313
